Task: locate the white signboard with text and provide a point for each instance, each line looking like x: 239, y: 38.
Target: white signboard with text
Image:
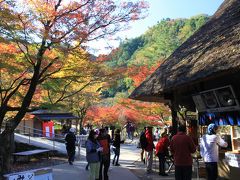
x: 22, y: 176
x: 38, y: 174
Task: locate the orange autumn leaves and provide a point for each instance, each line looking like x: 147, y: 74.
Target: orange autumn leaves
x: 139, y: 73
x: 127, y: 110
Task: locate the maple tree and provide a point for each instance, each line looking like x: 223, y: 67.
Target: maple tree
x: 127, y: 110
x: 139, y: 74
x: 42, y: 34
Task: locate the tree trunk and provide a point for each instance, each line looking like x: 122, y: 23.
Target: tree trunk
x: 77, y: 124
x: 81, y: 123
x: 6, y: 150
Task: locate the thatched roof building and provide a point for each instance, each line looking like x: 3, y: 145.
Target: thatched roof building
x: 213, y: 51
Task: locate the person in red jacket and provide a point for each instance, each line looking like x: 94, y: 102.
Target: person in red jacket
x: 149, y: 148
x: 162, y: 152
x: 182, y: 146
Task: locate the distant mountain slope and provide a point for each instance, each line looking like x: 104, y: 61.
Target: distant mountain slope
x: 142, y: 55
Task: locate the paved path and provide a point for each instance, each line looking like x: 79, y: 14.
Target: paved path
x: 77, y: 171
x: 131, y: 168
x: 129, y: 154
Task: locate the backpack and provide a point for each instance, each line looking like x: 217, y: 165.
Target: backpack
x: 104, y: 142
x: 105, y: 145
x: 143, y: 141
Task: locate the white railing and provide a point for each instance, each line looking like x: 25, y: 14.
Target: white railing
x: 32, y: 132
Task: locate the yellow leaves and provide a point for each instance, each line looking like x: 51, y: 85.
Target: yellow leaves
x: 10, y: 54
x: 7, y: 48
x: 51, y: 10
x: 74, y: 64
x: 45, y: 9
x: 79, y: 76
x: 51, y: 54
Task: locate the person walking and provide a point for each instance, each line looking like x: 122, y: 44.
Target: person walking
x: 93, y: 149
x: 162, y: 152
x: 157, y: 134
x: 97, y: 132
x: 143, y: 143
x: 128, y: 129
x: 182, y: 147
x: 149, y: 149
x: 104, y: 139
x: 70, y: 140
x: 116, y: 143
x: 132, y: 130
x: 209, y: 151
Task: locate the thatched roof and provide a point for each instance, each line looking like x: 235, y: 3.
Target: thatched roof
x: 212, y: 50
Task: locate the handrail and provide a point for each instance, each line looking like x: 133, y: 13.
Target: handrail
x: 40, y: 132
x: 33, y: 132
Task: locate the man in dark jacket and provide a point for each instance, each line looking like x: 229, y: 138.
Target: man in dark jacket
x: 143, y: 143
x: 70, y: 145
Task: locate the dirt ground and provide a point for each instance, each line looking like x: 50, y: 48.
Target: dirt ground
x: 37, y: 162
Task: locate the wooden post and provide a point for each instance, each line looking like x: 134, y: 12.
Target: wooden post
x: 173, y: 107
x: 174, y: 117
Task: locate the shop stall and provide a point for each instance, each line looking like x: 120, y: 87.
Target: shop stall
x: 203, y: 76
x: 221, y: 107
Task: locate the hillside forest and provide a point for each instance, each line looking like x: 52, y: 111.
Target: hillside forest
x: 134, y: 60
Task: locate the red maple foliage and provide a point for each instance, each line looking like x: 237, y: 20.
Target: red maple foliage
x: 140, y: 73
x: 127, y: 111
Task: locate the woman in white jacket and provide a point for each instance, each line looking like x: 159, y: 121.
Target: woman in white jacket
x: 209, y: 151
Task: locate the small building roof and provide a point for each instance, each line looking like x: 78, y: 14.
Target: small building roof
x: 212, y: 51
x: 52, y: 115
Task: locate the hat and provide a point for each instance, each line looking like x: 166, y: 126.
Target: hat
x: 73, y: 130
x: 96, y: 131
x: 211, y: 128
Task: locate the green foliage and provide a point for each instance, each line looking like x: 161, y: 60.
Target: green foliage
x: 121, y: 85
x: 125, y: 51
x: 151, y: 48
x: 162, y: 39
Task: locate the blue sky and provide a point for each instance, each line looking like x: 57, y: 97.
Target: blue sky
x: 173, y: 9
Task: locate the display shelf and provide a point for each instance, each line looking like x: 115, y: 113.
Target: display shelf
x: 235, y: 133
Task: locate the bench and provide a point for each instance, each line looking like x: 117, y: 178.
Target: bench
x: 30, y: 153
